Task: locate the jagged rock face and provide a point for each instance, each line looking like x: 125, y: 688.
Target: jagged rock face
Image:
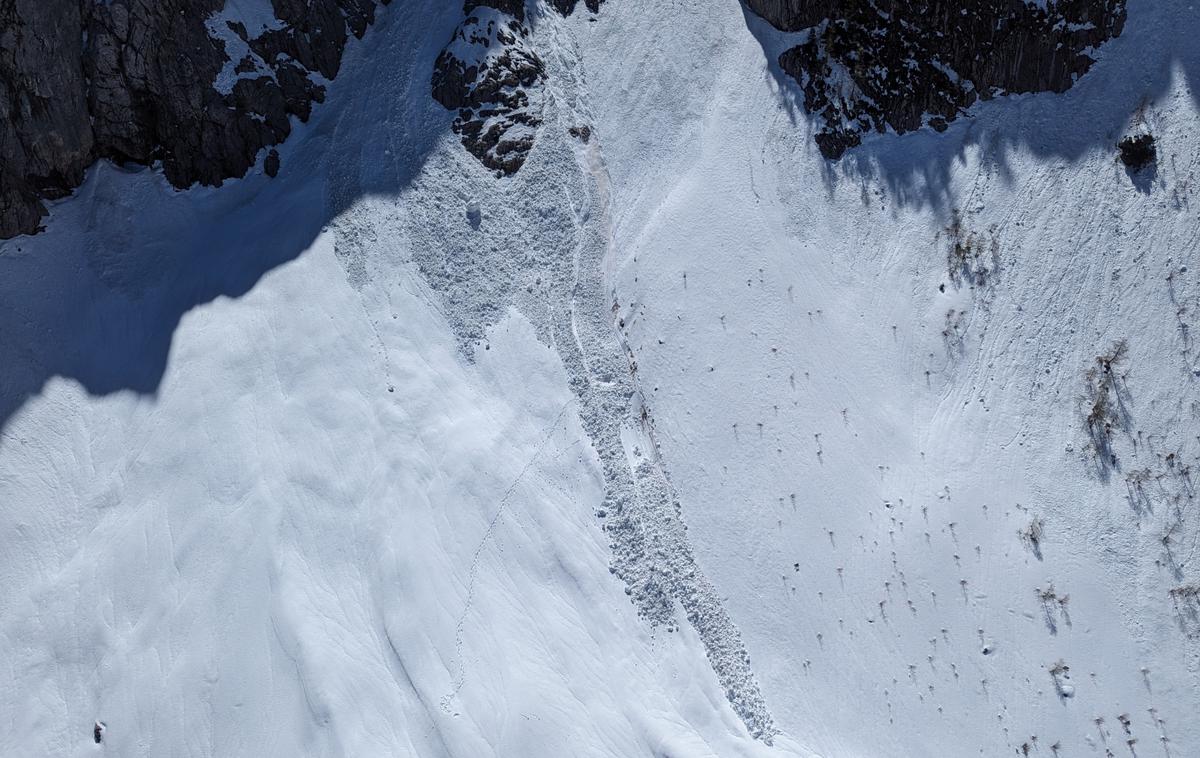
x: 46, y: 140
x: 185, y: 82
x: 874, y: 65
x: 794, y: 15
x: 567, y: 7
x: 493, y: 77
x: 1137, y: 151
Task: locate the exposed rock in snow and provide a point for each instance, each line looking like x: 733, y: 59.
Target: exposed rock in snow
x: 198, y: 85
x: 1137, y: 151
x: 870, y: 66
x: 567, y: 7
x: 494, y: 79
x: 492, y: 76
x: 794, y: 15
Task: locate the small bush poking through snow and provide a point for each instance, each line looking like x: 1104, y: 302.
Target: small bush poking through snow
x: 1060, y: 672
x: 1106, y: 412
x: 1031, y: 536
x: 970, y: 257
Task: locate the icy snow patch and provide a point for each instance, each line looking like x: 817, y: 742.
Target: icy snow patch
x: 257, y: 16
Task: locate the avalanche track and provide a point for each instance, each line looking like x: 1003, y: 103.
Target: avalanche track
x: 680, y: 440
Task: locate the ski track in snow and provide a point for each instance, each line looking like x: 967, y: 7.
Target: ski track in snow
x: 472, y: 573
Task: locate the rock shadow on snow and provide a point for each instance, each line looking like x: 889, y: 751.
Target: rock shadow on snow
x: 96, y: 298
x: 1131, y: 72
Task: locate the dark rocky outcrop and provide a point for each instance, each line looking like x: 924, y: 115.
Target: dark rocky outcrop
x: 271, y: 163
x: 492, y: 76
x: 874, y: 65
x: 567, y: 7
x: 182, y: 83
x: 1137, y: 151
x: 514, y: 8
x: 794, y: 15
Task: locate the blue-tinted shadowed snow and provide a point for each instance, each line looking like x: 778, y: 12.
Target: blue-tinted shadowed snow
x: 97, y: 296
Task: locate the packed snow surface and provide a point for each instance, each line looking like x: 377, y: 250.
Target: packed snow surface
x: 679, y: 442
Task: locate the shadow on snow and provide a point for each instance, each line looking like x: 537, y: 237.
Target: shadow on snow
x: 96, y: 297
x: 1132, y: 73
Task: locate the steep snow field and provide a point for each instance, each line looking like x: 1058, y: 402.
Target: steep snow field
x: 858, y: 437
x: 319, y: 564
x: 322, y: 465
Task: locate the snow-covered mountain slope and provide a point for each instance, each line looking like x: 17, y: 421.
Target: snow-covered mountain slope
x: 860, y: 432
x: 679, y: 441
